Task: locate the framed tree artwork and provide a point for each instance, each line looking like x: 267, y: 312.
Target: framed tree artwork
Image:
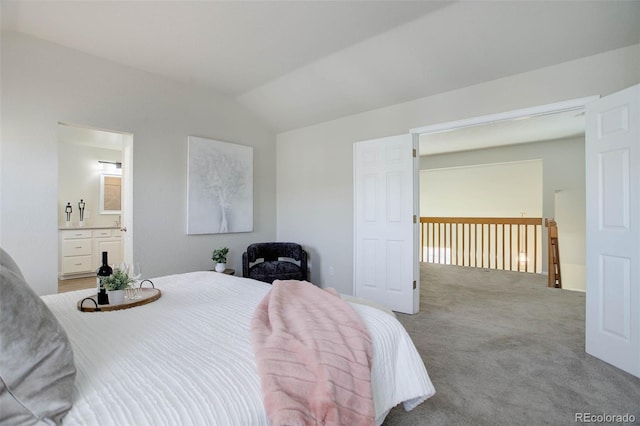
x: 219, y: 187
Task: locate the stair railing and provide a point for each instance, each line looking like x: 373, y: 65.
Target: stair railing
x: 555, y: 278
x: 511, y: 243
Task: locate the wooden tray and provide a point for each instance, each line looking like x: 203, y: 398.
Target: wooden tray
x: 90, y: 304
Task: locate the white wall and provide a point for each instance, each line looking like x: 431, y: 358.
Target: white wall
x: 485, y: 190
x: 572, y: 237
x: 315, y: 182
x: 43, y: 84
x: 79, y: 178
x: 562, y: 164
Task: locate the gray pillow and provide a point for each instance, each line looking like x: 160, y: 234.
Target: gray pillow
x: 36, y: 360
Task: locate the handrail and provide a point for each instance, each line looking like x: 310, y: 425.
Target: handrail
x: 555, y: 278
x: 483, y: 242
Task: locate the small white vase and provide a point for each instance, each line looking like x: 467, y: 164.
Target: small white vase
x: 220, y: 267
x: 116, y: 297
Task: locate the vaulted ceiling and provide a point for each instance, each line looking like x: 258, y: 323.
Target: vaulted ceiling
x: 298, y: 63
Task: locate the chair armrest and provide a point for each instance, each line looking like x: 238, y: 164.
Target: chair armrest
x: 245, y: 264
x: 303, y: 265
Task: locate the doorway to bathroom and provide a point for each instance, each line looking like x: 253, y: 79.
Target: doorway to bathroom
x: 95, y: 202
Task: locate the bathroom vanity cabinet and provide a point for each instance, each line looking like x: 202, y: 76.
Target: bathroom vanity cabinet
x: 81, y: 250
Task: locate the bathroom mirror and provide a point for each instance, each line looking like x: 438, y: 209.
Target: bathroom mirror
x: 110, y: 194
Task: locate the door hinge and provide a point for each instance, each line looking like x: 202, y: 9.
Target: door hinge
x: 415, y: 219
x: 414, y: 284
x: 415, y: 153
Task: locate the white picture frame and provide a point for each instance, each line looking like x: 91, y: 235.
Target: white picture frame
x: 219, y: 187
x: 110, y: 201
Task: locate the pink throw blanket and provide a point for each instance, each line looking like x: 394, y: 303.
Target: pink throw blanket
x: 314, y: 357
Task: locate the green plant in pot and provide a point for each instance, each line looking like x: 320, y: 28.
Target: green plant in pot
x: 219, y: 256
x: 115, y: 284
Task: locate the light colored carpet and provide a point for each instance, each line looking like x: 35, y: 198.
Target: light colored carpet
x: 504, y: 349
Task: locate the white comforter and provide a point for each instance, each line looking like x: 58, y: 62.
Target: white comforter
x: 187, y: 359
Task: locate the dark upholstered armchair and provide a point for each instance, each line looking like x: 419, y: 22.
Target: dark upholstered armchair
x: 271, y: 267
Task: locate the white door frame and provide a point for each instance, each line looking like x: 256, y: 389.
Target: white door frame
x: 576, y: 104
x: 536, y: 111
x: 126, y: 218
x: 530, y: 112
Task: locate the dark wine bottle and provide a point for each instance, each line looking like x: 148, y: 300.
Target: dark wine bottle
x: 103, y: 271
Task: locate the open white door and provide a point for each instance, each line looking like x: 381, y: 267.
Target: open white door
x: 613, y: 229
x: 385, y: 222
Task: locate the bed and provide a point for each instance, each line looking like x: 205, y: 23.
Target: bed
x: 187, y: 358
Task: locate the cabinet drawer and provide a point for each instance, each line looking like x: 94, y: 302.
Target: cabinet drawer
x: 76, y: 247
x: 78, y: 233
x: 102, y: 233
x: 76, y: 264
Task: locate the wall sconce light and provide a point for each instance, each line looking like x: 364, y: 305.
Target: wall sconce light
x: 109, y: 166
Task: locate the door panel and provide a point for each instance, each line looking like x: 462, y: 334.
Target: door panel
x: 385, y: 256
x: 613, y: 229
x: 616, y: 288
